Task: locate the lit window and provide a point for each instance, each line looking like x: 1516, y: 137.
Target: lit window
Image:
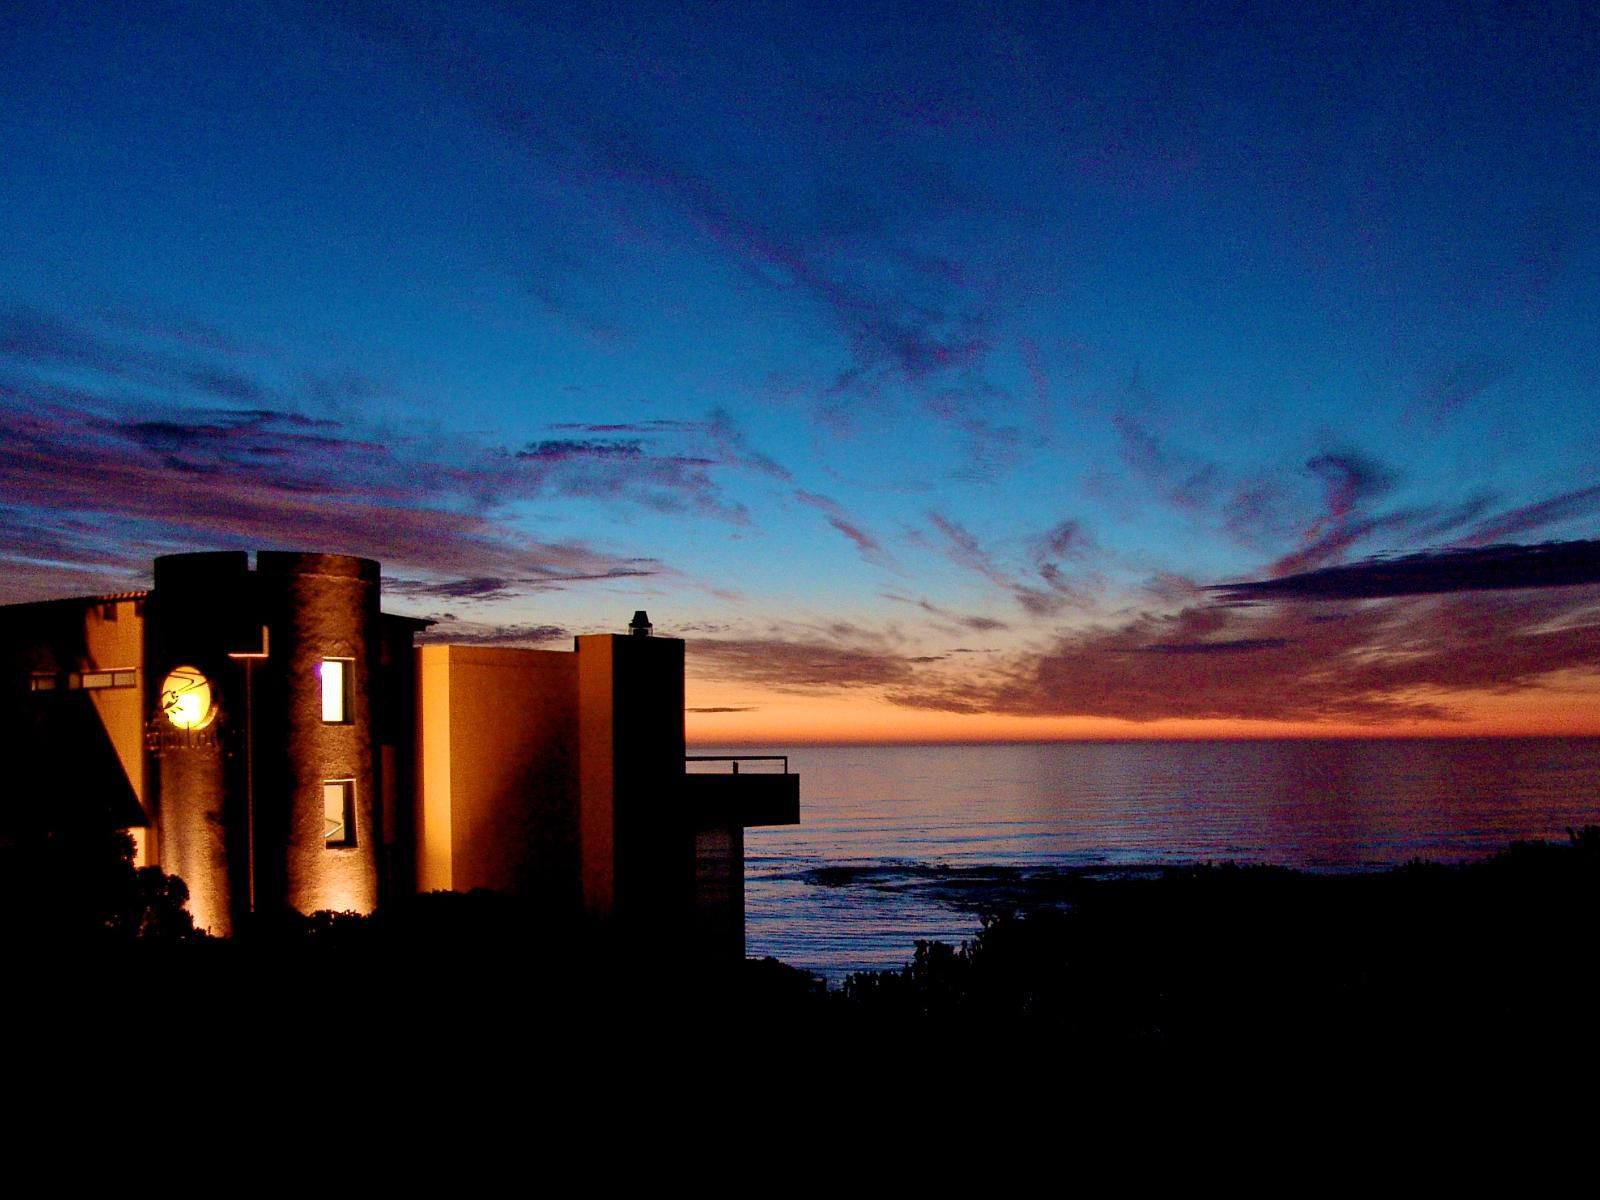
x: 336, y: 674
x: 338, y: 812
x: 95, y: 680
x: 43, y: 681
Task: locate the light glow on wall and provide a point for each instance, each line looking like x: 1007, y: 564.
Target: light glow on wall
x: 186, y: 698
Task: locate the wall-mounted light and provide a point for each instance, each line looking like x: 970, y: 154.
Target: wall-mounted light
x: 186, y: 698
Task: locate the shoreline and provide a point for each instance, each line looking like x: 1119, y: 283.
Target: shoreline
x: 971, y: 894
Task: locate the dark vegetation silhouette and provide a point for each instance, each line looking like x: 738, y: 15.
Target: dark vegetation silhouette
x: 1231, y: 959
x: 76, y: 890
x: 1217, y: 960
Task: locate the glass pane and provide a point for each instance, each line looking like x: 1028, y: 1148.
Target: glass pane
x: 333, y: 670
x: 335, y: 813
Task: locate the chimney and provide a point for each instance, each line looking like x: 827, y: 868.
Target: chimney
x: 640, y: 625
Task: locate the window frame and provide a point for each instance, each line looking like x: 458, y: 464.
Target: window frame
x: 347, y: 801
x: 347, y: 673
x: 93, y: 679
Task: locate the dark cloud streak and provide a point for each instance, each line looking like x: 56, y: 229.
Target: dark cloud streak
x: 1491, y: 568
x: 450, y: 629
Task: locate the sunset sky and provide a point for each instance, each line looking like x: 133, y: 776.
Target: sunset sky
x: 927, y: 367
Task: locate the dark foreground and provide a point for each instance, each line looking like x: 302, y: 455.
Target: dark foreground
x: 1493, y: 956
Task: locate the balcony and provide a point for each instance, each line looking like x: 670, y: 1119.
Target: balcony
x: 763, y: 793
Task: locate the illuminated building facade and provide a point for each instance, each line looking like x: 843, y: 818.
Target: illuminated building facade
x: 275, y: 739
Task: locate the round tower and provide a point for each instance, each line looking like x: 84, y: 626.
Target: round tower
x: 316, y: 836
x: 262, y: 726
x: 196, y: 611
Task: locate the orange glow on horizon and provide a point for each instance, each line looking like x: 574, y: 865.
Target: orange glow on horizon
x: 753, y: 717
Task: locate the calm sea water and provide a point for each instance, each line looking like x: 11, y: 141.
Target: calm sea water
x: 884, y: 830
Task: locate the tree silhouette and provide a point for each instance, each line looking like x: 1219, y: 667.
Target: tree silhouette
x: 77, y: 887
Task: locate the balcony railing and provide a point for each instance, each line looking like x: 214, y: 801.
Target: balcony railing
x: 767, y: 795
x: 736, y: 759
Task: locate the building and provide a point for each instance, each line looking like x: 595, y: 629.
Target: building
x: 275, y: 739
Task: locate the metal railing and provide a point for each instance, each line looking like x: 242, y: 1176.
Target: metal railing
x: 736, y: 759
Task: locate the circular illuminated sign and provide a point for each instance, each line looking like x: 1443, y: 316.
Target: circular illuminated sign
x: 186, y: 698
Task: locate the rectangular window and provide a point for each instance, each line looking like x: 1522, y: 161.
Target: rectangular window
x: 339, y: 812
x: 336, y: 673
x: 43, y: 681
x: 94, y: 680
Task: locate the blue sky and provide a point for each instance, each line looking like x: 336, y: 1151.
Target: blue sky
x: 903, y: 354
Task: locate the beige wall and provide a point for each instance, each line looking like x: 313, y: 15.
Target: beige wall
x: 498, y: 771
x: 118, y: 644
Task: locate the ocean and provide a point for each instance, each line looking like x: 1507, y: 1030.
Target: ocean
x: 897, y: 843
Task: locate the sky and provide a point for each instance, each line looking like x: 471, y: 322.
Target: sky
x: 939, y: 372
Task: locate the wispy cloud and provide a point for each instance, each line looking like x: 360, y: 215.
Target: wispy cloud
x: 908, y: 320
x: 1053, y: 591
x: 1374, y: 664
x: 1350, y: 481
x: 975, y: 622
x: 113, y: 450
x: 1369, y: 643
x: 867, y: 546
x: 789, y: 664
x: 1331, y: 505
x: 1181, y: 479
x: 666, y: 464
x: 99, y: 482
x: 1064, y: 540
x: 1038, y: 385
x: 492, y: 588
x: 482, y: 588
x: 1448, y: 387
x: 1580, y: 502
x: 1374, y: 643
x: 97, y: 487
x: 623, y: 469
x: 966, y: 551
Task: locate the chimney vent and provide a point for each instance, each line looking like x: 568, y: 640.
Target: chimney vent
x: 640, y: 625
